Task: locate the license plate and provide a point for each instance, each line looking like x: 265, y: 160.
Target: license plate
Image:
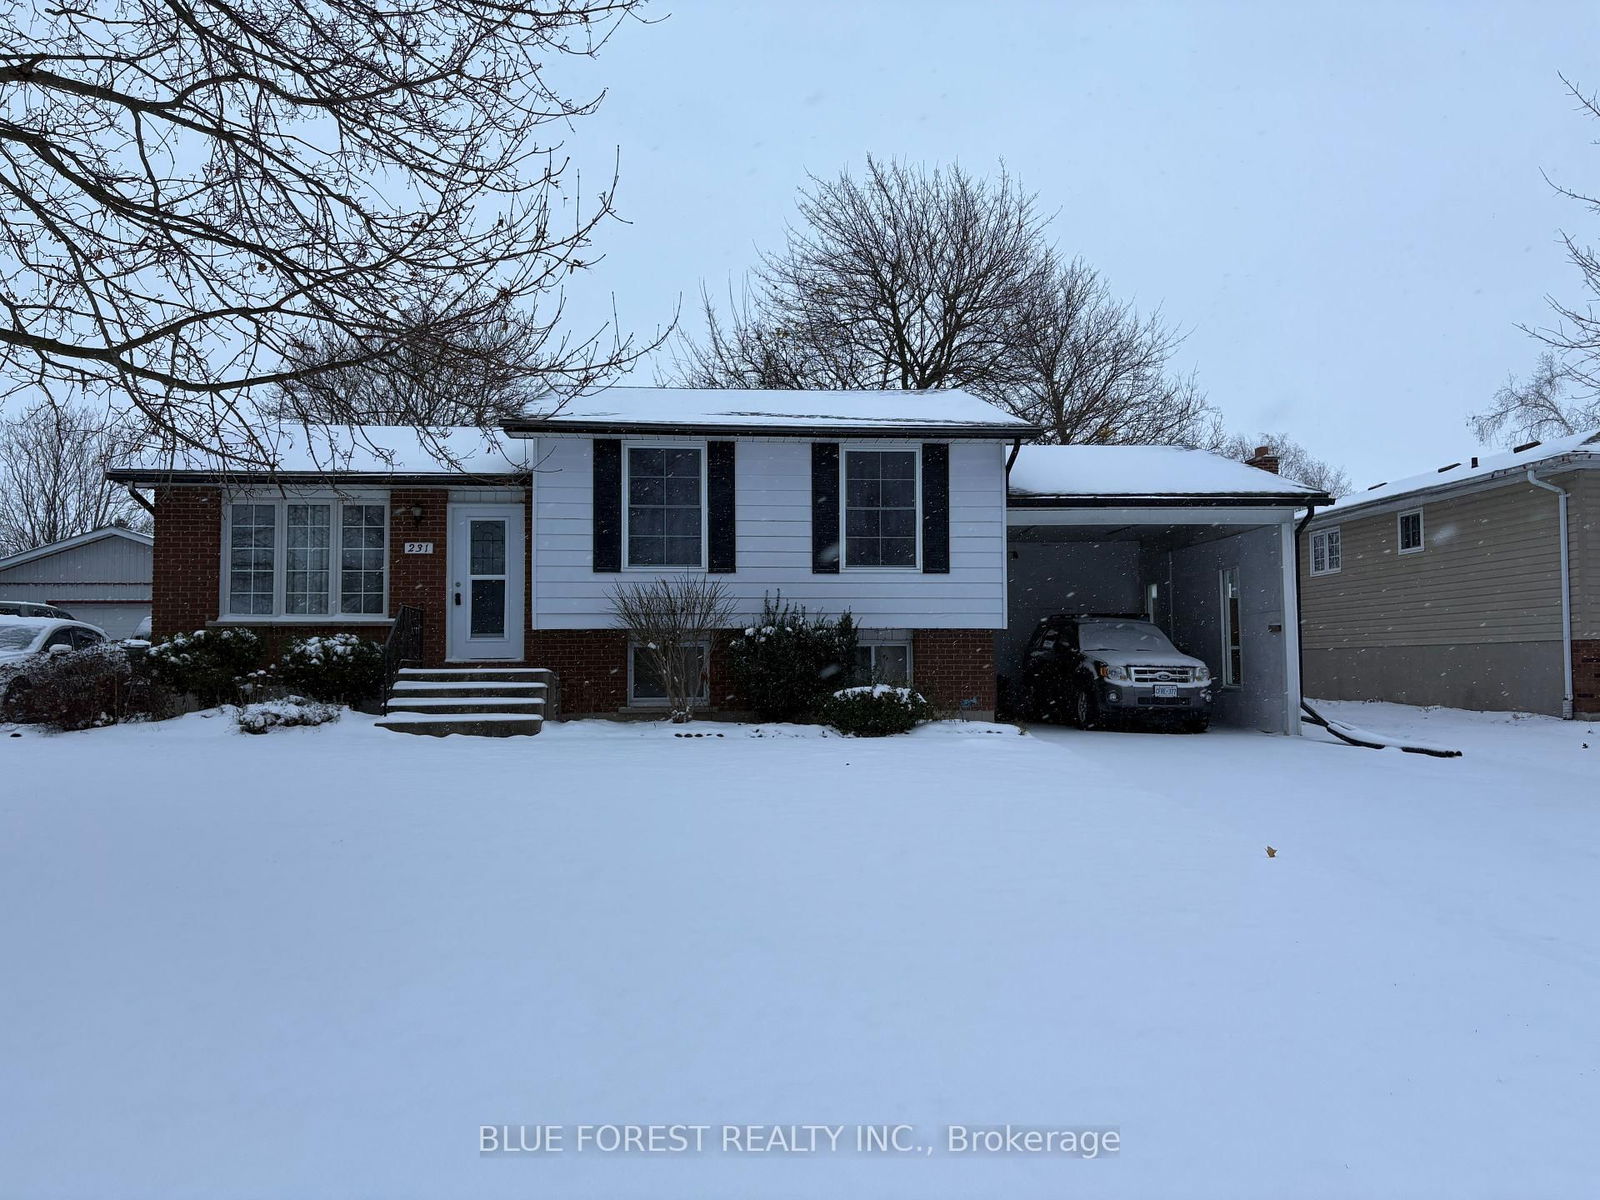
x: 1166, y: 691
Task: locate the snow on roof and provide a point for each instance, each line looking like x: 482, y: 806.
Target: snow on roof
x: 1141, y: 471
x: 370, y: 450
x: 950, y: 411
x: 1482, y: 467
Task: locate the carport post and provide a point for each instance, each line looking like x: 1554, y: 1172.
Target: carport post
x: 1290, y: 557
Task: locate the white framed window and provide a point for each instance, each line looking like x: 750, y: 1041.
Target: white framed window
x: 882, y: 508
x: 1327, y: 551
x: 665, y: 514
x: 644, y: 683
x: 1408, y: 531
x: 301, y: 558
x: 883, y: 662
x: 1232, y: 649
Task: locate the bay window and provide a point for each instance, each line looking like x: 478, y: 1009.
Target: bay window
x: 301, y: 558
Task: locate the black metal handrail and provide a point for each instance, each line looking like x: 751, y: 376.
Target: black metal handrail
x: 403, y: 647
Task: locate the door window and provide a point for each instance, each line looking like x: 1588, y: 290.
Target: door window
x: 487, y: 555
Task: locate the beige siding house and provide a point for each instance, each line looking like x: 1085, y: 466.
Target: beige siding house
x: 1449, y: 588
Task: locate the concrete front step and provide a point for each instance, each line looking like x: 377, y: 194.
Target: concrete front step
x: 475, y: 675
x: 487, y: 724
x: 479, y: 704
x: 408, y: 690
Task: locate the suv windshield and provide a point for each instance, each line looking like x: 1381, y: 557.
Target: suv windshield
x: 1122, y: 635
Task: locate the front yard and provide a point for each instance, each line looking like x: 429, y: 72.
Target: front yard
x: 314, y: 963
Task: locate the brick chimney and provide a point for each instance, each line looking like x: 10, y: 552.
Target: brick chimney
x: 1263, y: 458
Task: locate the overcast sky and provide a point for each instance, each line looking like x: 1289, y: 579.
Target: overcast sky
x: 1341, y: 202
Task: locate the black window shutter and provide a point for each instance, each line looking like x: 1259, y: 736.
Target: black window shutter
x: 824, y: 508
x: 936, y: 508
x: 607, y: 504
x: 721, y: 525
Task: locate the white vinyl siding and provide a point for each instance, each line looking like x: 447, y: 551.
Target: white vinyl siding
x: 773, y: 530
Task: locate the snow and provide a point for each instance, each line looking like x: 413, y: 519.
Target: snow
x: 1587, y: 444
x: 757, y: 409
x: 314, y: 964
x: 1140, y: 471
x: 355, y: 449
x: 878, y: 689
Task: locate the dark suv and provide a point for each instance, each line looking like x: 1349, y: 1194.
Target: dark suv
x: 1090, y: 667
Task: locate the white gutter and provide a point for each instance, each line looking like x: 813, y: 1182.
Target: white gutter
x: 1566, y: 595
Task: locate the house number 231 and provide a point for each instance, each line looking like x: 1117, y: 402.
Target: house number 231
x: 419, y: 547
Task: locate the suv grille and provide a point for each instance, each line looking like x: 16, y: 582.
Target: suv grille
x: 1162, y: 674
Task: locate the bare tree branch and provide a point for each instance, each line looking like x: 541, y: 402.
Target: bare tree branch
x: 52, y: 477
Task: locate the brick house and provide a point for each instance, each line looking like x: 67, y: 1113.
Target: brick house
x: 1476, y: 585
x: 891, y: 505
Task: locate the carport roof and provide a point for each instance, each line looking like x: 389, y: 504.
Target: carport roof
x: 1045, y: 476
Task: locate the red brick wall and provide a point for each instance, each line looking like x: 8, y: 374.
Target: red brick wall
x: 1586, y: 677
x: 186, y: 563
x: 592, y: 665
x: 952, y: 665
x: 419, y: 579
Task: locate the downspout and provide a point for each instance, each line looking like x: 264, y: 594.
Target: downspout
x: 1016, y: 449
x: 1300, y: 625
x: 133, y: 494
x: 1566, y: 594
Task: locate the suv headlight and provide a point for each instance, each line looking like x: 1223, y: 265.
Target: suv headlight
x: 1202, y: 674
x: 1118, y: 674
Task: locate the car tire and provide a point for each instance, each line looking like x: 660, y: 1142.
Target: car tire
x: 1085, y: 709
x: 1197, y: 724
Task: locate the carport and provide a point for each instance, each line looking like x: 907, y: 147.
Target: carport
x: 1202, y: 545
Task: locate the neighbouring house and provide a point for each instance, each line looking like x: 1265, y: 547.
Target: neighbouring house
x: 892, y: 505
x: 1476, y: 585
x: 102, y: 577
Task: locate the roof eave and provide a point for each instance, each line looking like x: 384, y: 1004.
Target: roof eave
x: 389, y: 479
x: 525, y: 429
x: 1168, y: 500
x: 1445, y: 488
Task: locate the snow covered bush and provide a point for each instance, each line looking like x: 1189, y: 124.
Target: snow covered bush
x: 876, y: 710
x: 281, y: 714
x: 343, y: 668
x: 80, y: 689
x: 209, y: 664
x: 787, y: 664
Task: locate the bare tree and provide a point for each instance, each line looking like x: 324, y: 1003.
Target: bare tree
x: 673, y: 623
x: 1540, y: 406
x: 493, y: 370
x: 1561, y: 396
x: 918, y: 278
x: 52, y: 477
x: 1295, y: 461
x: 189, y: 194
x: 907, y: 278
x: 1088, y: 367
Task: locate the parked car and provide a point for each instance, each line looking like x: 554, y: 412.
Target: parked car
x: 22, y: 638
x: 27, y: 608
x: 1092, y: 667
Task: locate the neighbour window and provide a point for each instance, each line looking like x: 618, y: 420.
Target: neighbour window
x: 1327, y: 552
x: 1232, y: 658
x: 306, y: 558
x: 884, y: 662
x: 665, y: 506
x: 1410, y: 531
x: 880, y: 508
x: 645, y: 686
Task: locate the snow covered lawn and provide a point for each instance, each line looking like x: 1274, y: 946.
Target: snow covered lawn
x: 314, y: 963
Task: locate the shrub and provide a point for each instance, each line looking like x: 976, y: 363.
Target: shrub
x: 876, y: 710
x: 80, y: 689
x: 341, y: 669
x: 786, y: 665
x: 669, y: 621
x: 281, y: 714
x: 210, y: 664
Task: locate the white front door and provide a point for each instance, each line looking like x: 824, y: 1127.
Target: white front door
x: 485, y: 601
